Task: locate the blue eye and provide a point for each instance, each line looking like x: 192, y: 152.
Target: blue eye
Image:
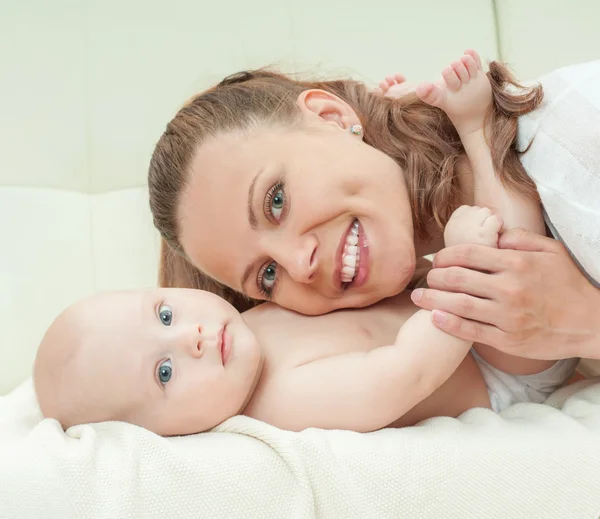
x: 268, y: 278
x: 277, y: 205
x: 166, y: 315
x: 165, y: 371
x: 275, y: 202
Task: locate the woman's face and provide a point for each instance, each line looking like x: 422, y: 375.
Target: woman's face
x: 309, y: 217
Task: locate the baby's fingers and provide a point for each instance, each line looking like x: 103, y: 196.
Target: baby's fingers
x: 493, y: 224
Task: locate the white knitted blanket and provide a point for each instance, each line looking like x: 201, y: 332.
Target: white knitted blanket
x: 531, y: 461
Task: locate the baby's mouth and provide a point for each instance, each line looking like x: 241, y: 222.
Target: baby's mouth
x: 221, y: 344
x: 350, y: 254
x: 225, y: 345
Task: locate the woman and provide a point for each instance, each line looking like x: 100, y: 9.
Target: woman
x: 259, y: 180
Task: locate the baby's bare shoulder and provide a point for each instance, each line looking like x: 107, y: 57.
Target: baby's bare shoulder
x: 290, y: 339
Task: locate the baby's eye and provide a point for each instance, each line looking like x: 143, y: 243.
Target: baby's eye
x: 166, y: 315
x: 165, y: 370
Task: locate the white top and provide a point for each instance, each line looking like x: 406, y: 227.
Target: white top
x: 564, y: 159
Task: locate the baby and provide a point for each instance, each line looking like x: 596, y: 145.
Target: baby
x: 179, y: 361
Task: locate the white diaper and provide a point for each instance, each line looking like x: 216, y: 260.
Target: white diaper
x: 505, y: 390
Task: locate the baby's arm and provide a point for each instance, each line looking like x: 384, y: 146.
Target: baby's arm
x: 364, y: 391
x: 465, y: 94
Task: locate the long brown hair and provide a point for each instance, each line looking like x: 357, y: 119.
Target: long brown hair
x: 419, y: 137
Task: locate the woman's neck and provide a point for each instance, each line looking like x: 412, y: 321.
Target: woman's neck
x: 434, y: 241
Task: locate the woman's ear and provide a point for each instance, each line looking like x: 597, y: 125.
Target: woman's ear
x: 327, y: 107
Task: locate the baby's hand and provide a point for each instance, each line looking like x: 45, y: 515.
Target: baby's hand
x: 472, y: 224
x: 464, y: 93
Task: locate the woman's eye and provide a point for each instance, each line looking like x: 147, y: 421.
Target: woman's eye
x: 275, y: 202
x: 269, y: 277
x: 165, y: 370
x: 166, y: 315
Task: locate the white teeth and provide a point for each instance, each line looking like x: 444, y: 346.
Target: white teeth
x: 348, y: 271
x: 350, y: 261
x: 351, y: 255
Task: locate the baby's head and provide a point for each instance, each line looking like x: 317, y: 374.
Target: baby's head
x: 174, y: 361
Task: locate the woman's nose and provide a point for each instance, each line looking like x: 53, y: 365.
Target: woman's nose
x: 299, y: 258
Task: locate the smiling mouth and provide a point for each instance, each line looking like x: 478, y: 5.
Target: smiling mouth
x: 351, y: 254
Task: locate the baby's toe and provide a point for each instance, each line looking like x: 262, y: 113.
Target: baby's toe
x: 469, y: 62
x: 451, y: 79
x: 461, y: 71
x: 399, y: 78
x: 384, y: 86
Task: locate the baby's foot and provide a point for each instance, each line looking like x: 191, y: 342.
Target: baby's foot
x: 395, y: 86
x: 464, y: 93
x: 472, y: 224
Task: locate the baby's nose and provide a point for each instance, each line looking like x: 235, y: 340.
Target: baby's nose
x: 197, y: 342
x: 199, y: 345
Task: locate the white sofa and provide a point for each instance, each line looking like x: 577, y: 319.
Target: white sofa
x: 86, y: 89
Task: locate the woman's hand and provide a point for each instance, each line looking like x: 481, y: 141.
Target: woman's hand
x: 527, y: 298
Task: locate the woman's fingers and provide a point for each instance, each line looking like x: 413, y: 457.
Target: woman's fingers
x: 459, y: 279
x: 478, y: 257
x: 467, y: 330
x: 520, y: 239
x: 461, y: 305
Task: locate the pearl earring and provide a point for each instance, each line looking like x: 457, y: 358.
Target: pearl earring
x: 356, y: 129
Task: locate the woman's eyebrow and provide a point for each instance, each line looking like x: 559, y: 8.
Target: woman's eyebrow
x: 253, y: 224
x: 251, y: 216
x: 249, y: 269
